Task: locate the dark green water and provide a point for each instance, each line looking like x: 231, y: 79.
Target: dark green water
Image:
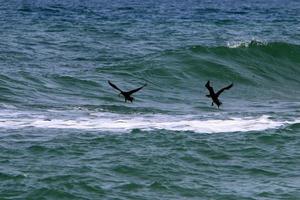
x: 65, y: 133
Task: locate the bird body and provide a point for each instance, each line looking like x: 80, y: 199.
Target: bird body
x: 127, y: 95
x: 215, y: 96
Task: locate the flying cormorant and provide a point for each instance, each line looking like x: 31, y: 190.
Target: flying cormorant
x: 127, y: 95
x: 215, y: 96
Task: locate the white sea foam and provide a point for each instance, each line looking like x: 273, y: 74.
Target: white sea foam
x: 238, y: 44
x: 126, y: 123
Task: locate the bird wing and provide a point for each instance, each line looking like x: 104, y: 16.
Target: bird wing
x: 135, y: 90
x: 225, y: 88
x: 114, y: 86
x: 210, y: 89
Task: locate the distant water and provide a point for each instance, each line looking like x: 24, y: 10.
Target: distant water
x: 65, y: 133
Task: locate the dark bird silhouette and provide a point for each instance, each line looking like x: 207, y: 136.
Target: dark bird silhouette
x: 127, y: 95
x: 215, y: 96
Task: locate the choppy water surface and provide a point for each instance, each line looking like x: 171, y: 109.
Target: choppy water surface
x: 65, y: 134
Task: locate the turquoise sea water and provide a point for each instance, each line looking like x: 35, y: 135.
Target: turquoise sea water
x: 65, y: 133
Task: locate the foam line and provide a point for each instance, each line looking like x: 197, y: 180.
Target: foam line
x: 124, y: 123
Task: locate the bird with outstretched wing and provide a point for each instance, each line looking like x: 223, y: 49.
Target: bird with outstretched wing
x: 126, y: 95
